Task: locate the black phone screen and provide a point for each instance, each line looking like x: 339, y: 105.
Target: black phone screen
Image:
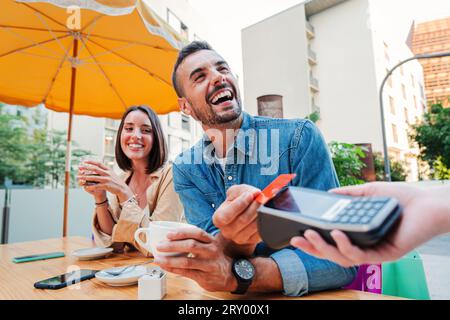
x: 66, y: 279
x: 304, y: 203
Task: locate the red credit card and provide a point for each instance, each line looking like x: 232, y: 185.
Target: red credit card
x: 272, y: 189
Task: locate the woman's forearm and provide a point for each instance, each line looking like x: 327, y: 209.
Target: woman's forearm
x: 105, y: 220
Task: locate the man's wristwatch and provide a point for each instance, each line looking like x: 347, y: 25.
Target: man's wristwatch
x: 244, y: 271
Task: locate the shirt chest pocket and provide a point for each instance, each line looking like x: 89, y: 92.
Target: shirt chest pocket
x: 214, y: 199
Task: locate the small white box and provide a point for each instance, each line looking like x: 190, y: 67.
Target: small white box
x: 152, y: 286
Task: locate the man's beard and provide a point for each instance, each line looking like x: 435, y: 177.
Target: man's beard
x: 211, y: 118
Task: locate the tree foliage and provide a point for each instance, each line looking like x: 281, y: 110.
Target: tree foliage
x: 36, y: 157
x: 433, y: 136
x: 347, y: 161
x: 13, y: 147
x: 398, y: 169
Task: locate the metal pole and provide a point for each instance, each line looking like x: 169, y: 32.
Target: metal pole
x: 387, y: 167
x: 6, y: 211
x: 69, y: 135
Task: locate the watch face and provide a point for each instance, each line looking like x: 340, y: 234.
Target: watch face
x: 244, y: 269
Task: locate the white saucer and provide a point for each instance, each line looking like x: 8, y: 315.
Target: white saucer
x: 127, y: 278
x: 92, y: 253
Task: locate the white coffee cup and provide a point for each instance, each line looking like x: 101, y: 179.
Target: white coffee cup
x: 156, y: 232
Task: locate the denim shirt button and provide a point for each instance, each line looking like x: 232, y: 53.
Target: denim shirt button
x: 230, y: 178
x: 213, y: 205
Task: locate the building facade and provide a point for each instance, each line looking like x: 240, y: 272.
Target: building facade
x: 429, y: 37
x: 329, y: 57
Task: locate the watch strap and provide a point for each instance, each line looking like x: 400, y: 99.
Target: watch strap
x: 243, y: 284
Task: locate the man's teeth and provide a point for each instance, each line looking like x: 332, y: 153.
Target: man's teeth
x: 224, y: 94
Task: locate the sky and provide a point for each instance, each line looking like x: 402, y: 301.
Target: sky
x: 227, y: 18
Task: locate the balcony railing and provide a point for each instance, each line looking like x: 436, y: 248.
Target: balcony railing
x: 315, y: 108
x: 312, y: 56
x: 313, y: 83
x: 310, y: 30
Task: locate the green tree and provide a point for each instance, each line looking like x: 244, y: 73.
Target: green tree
x: 13, y: 147
x: 398, y: 169
x: 441, y: 172
x: 36, y: 159
x: 347, y: 161
x: 433, y: 136
x: 47, y: 159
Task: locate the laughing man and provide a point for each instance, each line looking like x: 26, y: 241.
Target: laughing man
x: 218, y: 179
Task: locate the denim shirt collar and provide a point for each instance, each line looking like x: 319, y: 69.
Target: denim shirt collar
x: 240, y: 142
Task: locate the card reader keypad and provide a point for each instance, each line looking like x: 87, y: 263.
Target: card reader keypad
x: 360, y: 211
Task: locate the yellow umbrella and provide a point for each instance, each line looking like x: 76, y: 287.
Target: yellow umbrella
x: 87, y: 57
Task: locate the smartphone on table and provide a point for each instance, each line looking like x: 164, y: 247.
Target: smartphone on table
x: 37, y: 257
x: 66, y: 279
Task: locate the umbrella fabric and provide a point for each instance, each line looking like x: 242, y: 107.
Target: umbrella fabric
x: 122, y: 51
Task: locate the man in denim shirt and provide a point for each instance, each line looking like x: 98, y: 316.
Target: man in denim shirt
x: 218, y: 179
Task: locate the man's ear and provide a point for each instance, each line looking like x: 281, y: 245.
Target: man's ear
x: 185, y: 106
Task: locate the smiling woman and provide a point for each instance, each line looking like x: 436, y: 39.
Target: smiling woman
x: 143, y: 193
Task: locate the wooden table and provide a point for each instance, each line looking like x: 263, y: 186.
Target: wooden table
x: 16, y: 280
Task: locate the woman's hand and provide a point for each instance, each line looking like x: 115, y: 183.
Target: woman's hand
x: 99, y: 195
x: 105, y: 179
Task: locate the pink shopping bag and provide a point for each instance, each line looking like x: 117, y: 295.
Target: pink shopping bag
x: 368, y: 279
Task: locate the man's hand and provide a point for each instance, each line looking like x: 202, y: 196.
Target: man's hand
x: 236, y: 217
x: 421, y: 220
x: 209, y: 266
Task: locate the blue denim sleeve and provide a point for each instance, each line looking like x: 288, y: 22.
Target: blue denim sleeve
x: 302, y: 273
x: 293, y: 273
x: 323, y: 274
x: 196, y: 209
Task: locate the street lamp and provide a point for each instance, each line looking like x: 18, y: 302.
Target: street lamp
x: 387, y: 167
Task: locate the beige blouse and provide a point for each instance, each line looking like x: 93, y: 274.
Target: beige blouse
x: 163, y: 204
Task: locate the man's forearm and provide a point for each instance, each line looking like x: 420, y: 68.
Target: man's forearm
x: 267, y: 276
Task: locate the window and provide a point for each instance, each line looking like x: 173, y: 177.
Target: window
x: 394, y: 133
x: 389, y: 79
x: 175, y: 145
x: 186, y: 144
x: 421, y: 91
x: 174, y: 120
x: 415, y: 103
x: 403, y: 91
x: 110, y: 123
x: 184, y: 31
x: 386, y: 52
x: 177, y: 24
x: 401, y: 69
x: 413, y: 82
x: 185, y: 124
x: 109, y: 142
x: 392, y: 105
x: 406, y: 115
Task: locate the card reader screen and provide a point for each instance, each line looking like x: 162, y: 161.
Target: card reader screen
x: 311, y: 204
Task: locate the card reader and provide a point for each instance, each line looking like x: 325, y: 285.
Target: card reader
x: 365, y: 220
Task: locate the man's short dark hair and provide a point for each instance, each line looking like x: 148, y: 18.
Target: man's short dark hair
x: 186, y: 51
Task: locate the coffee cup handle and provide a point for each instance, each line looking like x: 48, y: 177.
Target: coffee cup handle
x: 137, y: 239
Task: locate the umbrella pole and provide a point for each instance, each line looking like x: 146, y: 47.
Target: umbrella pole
x: 69, y: 136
